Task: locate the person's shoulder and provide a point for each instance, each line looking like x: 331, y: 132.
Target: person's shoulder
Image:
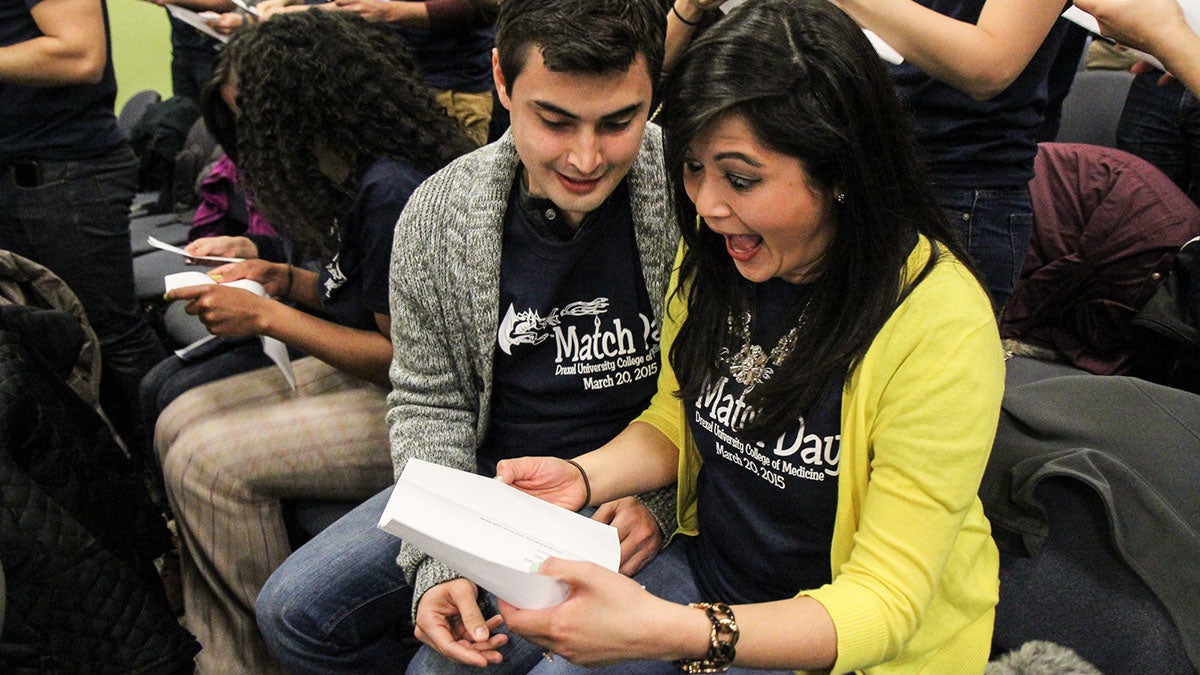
x: 391, y: 173
x: 487, y: 169
x: 652, y: 143
x: 948, y: 294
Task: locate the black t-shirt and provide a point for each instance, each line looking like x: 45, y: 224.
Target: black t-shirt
x: 765, y: 510
x: 54, y: 123
x: 577, y: 345
x: 979, y: 144
x: 458, y: 61
x: 353, y: 286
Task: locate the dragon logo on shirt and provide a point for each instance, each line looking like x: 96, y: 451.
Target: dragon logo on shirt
x: 528, y: 328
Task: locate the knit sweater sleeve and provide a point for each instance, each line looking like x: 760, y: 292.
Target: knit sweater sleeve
x: 433, y: 409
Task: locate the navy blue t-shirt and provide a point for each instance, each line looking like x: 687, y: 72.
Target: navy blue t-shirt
x: 978, y: 144
x: 54, y: 123
x: 353, y: 286
x: 453, y: 60
x: 458, y: 61
x: 577, y: 345
x: 765, y: 510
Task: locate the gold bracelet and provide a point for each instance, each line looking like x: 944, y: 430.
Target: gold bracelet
x: 722, y: 640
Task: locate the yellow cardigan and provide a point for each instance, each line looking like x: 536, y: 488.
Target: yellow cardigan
x: 915, y: 570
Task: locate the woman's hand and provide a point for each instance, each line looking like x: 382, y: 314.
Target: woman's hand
x: 548, y: 478
x: 449, y: 621
x: 224, y: 247
x: 224, y: 310
x: 607, y: 618
x: 273, y: 276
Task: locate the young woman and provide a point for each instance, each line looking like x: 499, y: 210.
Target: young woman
x: 334, y: 130
x: 974, y: 80
x: 830, y: 393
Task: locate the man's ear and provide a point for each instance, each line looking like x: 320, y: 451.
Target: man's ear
x: 501, y: 85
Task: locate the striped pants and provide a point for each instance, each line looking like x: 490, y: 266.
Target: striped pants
x: 231, y: 450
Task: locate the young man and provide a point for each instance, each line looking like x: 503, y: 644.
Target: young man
x: 67, y: 177
x: 527, y: 285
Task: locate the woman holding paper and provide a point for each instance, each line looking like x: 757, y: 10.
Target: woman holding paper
x: 830, y: 393
x: 332, y: 129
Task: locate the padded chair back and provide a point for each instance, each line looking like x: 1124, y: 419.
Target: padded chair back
x: 134, y: 108
x: 1092, y: 109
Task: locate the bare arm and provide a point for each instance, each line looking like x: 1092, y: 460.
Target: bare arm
x: 1153, y: 26
x: 980, y: 60
x: 366, y: 354
x: 679, y: 32
x: 218, y: 6
x: 609, y: 618
x: 436, y: 15
x: 71, y: 49
x: 232, y: 312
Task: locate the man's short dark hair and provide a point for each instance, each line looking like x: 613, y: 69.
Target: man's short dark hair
x: 581, y: 36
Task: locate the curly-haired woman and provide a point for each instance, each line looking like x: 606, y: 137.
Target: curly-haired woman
x: 332, y: 129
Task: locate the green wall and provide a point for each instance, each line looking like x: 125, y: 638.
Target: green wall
x: 141, y: 41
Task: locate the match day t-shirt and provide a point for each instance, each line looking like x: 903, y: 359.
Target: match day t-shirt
x: 765, y: 510
x: 577, y: 345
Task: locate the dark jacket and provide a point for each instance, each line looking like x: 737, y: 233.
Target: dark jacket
x: 78, y: 534
x: 1106, y: 227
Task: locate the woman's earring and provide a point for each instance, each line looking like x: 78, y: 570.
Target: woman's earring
x: 840, y: 198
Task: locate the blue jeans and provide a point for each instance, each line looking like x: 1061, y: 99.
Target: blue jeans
x: 668, y: 576
x: 190, y: 69
x: 1162, y: 126
x: 995, y: 226
x: 340, y: 602
x: 73, y: 217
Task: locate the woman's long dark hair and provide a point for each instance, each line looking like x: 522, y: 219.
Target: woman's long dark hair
x: 809, y: 84
x: 331, y: 79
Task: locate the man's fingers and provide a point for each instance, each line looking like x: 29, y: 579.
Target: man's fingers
x: 472, y: 619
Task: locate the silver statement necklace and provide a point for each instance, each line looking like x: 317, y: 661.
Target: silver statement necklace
x: 751, y: 365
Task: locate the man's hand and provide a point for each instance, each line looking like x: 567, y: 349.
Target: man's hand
x: 449, y: 621
x: 641, y: 538
x: 547, y: 478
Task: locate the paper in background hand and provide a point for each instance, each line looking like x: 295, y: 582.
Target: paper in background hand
x: 492, y: 533
x: 1191, y: 14
x: 195, y: 21
x: 166, y: 246
x: 274, y: 349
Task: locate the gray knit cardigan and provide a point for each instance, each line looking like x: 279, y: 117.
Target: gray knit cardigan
x: 445, y: 284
